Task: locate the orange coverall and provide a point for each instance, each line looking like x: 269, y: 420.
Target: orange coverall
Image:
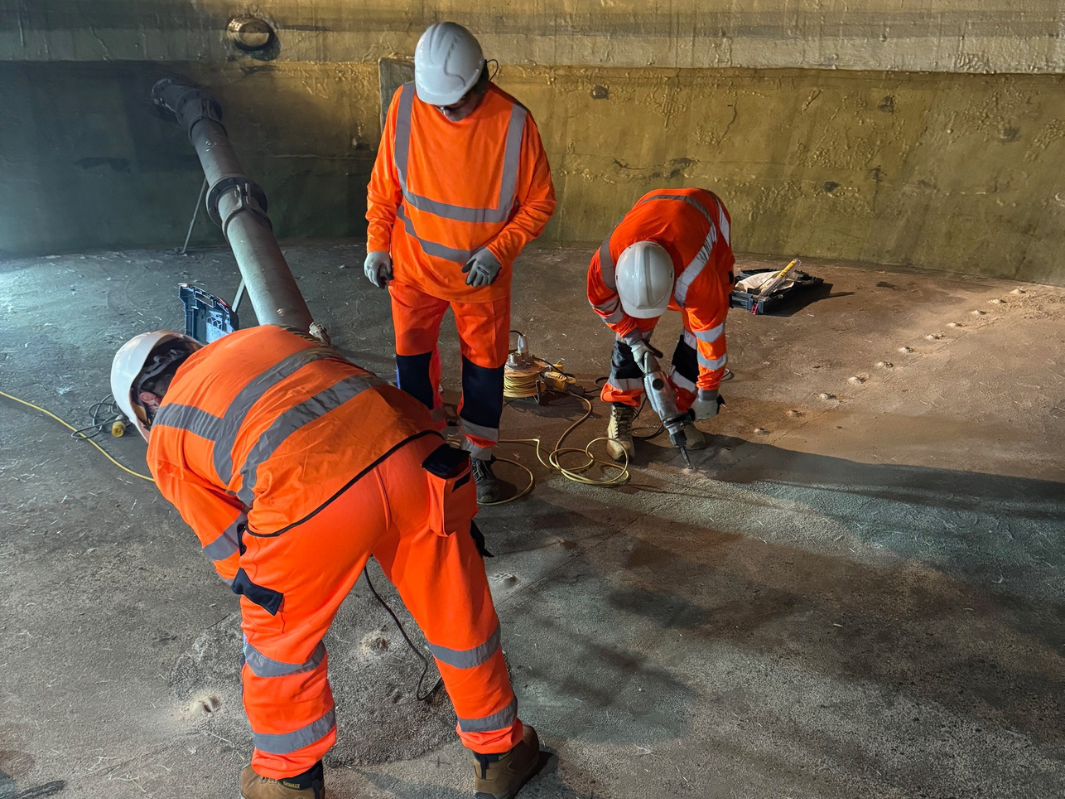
x: 293, y: 466
x: 693, y: 226
x: 440, y: 192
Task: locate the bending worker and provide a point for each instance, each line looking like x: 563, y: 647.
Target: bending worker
x: 461, y: 184
x: 293, y: 466
x: 671, y: 250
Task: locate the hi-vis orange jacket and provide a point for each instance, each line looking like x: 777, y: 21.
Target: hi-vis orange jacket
x: 265, y: 426
x: 441, y: 191
x: 693, y: 226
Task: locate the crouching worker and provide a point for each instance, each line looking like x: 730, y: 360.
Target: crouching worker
x: 293, y: 466
x: 671, y: 250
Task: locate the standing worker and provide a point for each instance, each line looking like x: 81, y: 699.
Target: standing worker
x: 672, y: 250
x: 460, y: 186
x: 293, y: 466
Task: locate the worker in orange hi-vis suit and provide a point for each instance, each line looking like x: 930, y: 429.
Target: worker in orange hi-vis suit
x: 461, y: 184
x: 293, y: 466
x: 672, y: 250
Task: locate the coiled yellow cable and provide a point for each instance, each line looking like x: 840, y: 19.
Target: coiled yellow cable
x: 78, y: 434
x: 575, y: 473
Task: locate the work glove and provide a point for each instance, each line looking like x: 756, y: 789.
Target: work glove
x: 482, y: 269
x: 378, y: 268
x: 706, y: 404
x: 645, y: 356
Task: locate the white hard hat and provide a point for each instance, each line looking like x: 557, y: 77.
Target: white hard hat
x: 645, y: 280
x: 447, y: 63
x: 127, y: 366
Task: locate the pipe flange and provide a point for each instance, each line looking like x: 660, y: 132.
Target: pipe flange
x: 250, y: 197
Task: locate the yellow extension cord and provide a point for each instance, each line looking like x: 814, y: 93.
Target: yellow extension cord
x: 82, y: 436
x: 520, y: 386
x: 575, y: 473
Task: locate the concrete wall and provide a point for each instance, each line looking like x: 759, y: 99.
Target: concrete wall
x: 907, y: 35
x: 808, y: 118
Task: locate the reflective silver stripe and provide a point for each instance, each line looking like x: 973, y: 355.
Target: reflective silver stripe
x: 717, y: 363
x: 690, y: 339
x: 431, y: 247
x: 614, y: 318
x: 490, y: 433
x: 680, y: 381
x: 609, y: 306
x: 233, y: 418
x: 228, y: 543
x: 263, y: 666
x: 722, y: 221
x: 189, y: 418
x: 695, y: 267
x: 508, y: 185
x: 292, y: 420
x: 497, y: 721
x: 467, y: 658
x: 286, y: 743
x: 635, y: 335
x: 625, y: 383
x: 402, y: 142
x: 460, y: 213
x: 711, y: 335
x: 481, y: 453
x: 680, y: 198
x: 606, y: 265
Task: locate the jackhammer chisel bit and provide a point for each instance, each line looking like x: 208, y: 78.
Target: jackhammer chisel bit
x: 664, y: 401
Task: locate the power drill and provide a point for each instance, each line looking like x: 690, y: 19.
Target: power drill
x: 664, y: 401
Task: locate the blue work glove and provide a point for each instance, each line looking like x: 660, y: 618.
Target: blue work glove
x: 706, y: 404
x: 482, y: 269
x: 378, y: 268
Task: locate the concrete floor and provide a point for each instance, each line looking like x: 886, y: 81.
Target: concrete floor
x: 858, y: 594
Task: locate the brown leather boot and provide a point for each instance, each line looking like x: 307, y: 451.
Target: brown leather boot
x: 501, y: 776
x: 308, y: 785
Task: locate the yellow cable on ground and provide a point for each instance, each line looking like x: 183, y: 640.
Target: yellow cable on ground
x: 82, y: 436
x: 574, y: 473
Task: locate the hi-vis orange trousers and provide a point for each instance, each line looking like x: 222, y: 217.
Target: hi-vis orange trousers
x: 388, y: 512
x: 484, y: 335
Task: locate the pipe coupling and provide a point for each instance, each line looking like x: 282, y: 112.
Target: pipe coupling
x: 188, y: 104
x: 247, y: 196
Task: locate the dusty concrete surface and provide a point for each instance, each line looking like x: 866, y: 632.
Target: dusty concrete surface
x: 952, y: 172
x: 858, y: 593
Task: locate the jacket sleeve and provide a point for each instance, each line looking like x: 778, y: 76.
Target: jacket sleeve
x: 535, y: 198
x: 212, y: 514
x: 705, y: 310
x: 605, y: 300
x: 384, y: 193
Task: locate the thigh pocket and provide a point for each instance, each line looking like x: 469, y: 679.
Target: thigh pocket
x: 452, y: 493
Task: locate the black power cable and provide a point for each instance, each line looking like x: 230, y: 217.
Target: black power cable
x: 418, y: 690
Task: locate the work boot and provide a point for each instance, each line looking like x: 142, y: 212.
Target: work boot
x: 308, y: 785
x: 501, y: 776
x: 487, y: 485
x: 695, y: 436
x: 619, y: 432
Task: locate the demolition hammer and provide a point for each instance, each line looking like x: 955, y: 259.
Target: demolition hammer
x: 664, y: 401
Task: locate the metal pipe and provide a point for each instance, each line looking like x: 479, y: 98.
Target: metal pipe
x: 237, y: 204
